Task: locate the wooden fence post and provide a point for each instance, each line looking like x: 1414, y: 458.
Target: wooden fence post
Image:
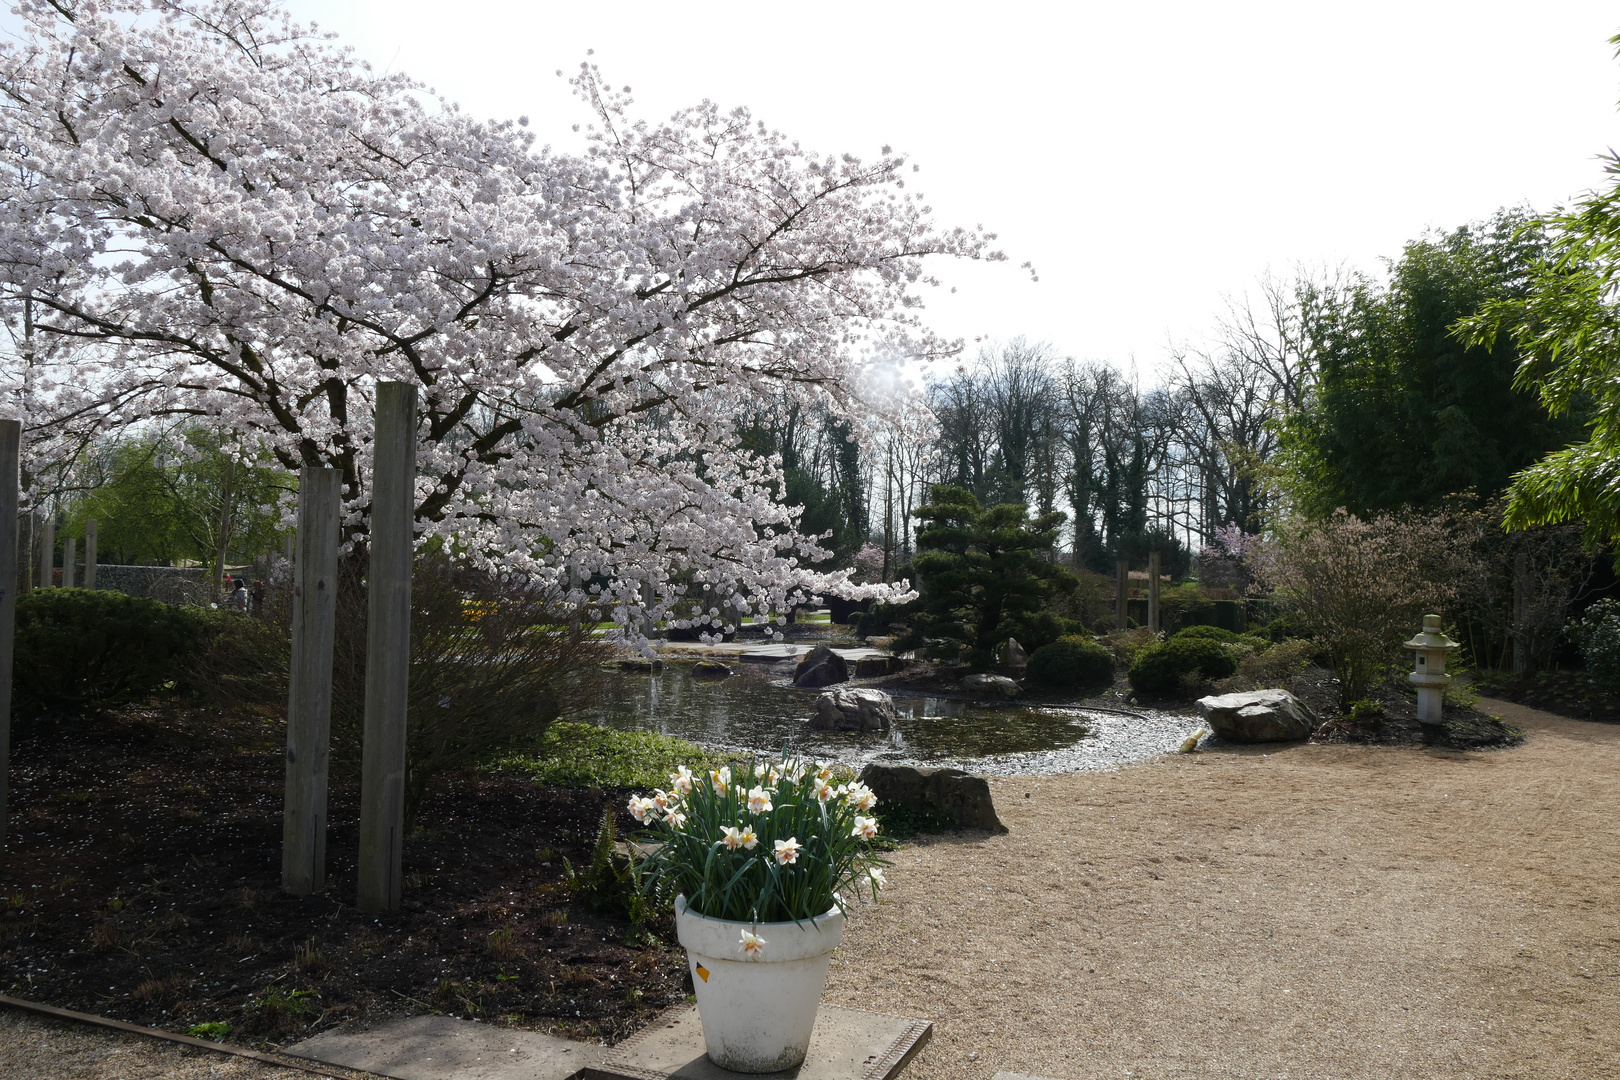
x: 26, y: 535
x: 1122, y: 580
x: 10, y: 456
x: 90, y: 531
x: 309, y: 697
x: 69, y: 558
x: 1153, y: 591
x: 388, y: 646
x: 47, y: 551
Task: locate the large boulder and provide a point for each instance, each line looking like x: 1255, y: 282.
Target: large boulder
x: 1013, y: 657
x: 1258, y: 716
x: 852, y: 709
x: 999, y: 685
x: 822, y: 667
x: 710, y: 669
x: 959, y: 796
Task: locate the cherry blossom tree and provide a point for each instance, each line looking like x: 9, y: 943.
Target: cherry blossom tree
x: 214, y: 213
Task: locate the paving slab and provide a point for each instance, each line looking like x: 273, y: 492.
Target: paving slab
x: 444, y: 1048
x: 847, y: 1044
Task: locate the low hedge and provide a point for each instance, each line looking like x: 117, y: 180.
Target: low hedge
x: 79, y: 649
x: 1071, y: 663
x: 1162, y: 670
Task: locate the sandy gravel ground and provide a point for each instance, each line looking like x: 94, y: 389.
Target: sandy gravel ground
x: 1302, y: 912
x: 1299, y: 912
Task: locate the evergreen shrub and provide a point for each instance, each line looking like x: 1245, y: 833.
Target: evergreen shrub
x: 1071, y: 663
x: 87, y: 649
x: 1206, y: 633
x: 1162, y: 671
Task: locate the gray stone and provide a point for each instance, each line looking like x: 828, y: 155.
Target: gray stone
x: 1258, y: 716
x: 851, y: 709
x: 999, y: 685
x: 847, y: 1044
x: 710, y: 669
x: 645, y: 667
x: 1013, y: 656
x: 822, y: 667
x: 442, y: 1048
x: 964, y: 798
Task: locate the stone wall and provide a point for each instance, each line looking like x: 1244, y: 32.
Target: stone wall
x: 172, y: 584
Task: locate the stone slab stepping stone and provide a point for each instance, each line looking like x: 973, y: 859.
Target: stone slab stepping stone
x: 847, y: 1044
x: 444, y: 1048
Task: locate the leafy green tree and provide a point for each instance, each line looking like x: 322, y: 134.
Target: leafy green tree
x: 1565, y: 325
x: 194, y: 496
x: 1406, y: 412
x: 985, y: 574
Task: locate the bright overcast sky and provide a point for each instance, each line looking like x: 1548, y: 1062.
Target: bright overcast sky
x: 1150, y: 159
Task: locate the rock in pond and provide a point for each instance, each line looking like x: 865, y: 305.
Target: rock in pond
x: 822, y: 667
x: 960, y: 796
x: 853, y: 710
x: 870, y: 667
x: 1258, y: 716
x: 644, y: 666
x: 710, y: 669
x: 999, y: 685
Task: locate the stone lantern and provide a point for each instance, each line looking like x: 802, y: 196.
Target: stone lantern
x: 1429, y: 674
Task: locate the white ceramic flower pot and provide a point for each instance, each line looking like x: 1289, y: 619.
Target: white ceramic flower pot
x: 757, y: 1009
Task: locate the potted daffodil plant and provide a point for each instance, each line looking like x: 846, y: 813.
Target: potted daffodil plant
x: 763, y: 863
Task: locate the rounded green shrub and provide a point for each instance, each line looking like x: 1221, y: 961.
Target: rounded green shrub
x: 1203, y: 633
x: 1070, y: 663
x: 90, y: 649
x: 1161, y: 670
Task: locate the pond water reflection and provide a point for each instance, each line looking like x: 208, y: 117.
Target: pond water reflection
x: 757, y: 711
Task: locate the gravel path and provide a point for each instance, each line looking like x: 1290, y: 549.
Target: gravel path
x: 1308, y: 911
x: 1301, y: 912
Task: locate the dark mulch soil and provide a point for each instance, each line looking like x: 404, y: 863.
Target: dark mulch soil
x: 140, y: 881
x: 1461, y: 729
x: 1567, y: 693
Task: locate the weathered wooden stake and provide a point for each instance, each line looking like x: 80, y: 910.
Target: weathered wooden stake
x: 47, y: 552
x: 10, y: 454
x: 90, y: 553
x: 27, y: 534
x: 1153, y: 591
x: 388, y: 647
x: 1122, y: 579
x: 69, y: 558
x: 309, y: 699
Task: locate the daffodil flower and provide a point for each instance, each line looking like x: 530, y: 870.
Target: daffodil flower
x: 721, y: 776
x: 759, y: 802
x: 824, y: 791
x: 759, y: 772
x: 865, y: 827
x: 861, y: 796
x: 787, y: 851
x: 674, y: 818
x: 752, y: 944
x: 735, y: 838
x: 640, y: 808
x: 876, y: 874
x: 681, y: 780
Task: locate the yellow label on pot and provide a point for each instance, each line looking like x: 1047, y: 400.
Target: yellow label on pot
x: 703, y: 973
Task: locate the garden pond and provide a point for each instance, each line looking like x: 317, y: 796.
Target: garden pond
x: 762, y: 711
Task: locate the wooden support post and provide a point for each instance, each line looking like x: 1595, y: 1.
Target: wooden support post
x: 1153, y: 591
x: 309, y: 698
x: 10, y: 457
x: 1122, y: 580
x: 69, y: 558
x: 47, y: 552
x: 90, y: 531
x: 27, y: 534
x: 388, y: 647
